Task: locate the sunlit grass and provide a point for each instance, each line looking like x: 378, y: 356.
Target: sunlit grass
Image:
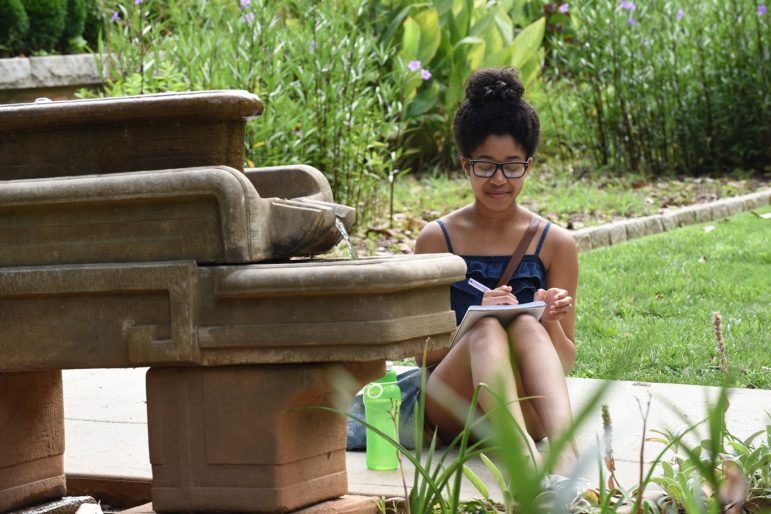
x: 645, y: 307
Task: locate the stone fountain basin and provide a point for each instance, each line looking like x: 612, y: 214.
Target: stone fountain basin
x: 206, y: 214
x: 181, y: 313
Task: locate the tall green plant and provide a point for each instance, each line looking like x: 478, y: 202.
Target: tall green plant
x: 664, y: 86
x: 441, y: 43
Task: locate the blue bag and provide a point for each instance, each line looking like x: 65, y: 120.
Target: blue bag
x: 409, y: 380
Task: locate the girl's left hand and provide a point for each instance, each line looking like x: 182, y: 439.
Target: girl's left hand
x: 558, y: 303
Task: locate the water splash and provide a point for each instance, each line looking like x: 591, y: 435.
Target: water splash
x: 344, y: 233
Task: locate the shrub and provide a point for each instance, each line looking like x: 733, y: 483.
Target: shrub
x: 93, y: 24
x: 13, y: 25
x: 46, y: 22
x: 75, y: 20
x: 661, y: 87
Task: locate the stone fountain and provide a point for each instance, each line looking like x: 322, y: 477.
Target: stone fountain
x: 131, y: 235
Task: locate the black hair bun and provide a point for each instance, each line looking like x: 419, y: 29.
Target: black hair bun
x: 494, y: 85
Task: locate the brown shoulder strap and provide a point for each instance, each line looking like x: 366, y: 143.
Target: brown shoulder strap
x: 516, y: 258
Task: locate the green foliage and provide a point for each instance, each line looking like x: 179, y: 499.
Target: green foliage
x: 318, y: 69
x: 47, y: 20
x: 662, y: 87
x: 93, y: 26
x: 450, y: 39
x: 75, y: 21
x: 647, y: 304
x: 14, y: 24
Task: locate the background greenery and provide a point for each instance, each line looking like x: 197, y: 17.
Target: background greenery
x: 365, y: 89
x: 38, y: 27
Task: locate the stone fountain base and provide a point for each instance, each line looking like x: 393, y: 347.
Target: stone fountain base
x: 248, y: 438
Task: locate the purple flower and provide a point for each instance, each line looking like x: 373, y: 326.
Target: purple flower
x: 762, y: 9
x: 245, y: 3
x: 137, y: 2
x: 629, y: 6
x: 563, y: 8
x: 414, y: 65
x: 313, y: 46
x: 249, y: 18
x: 632, y: 22
x: 679, y: 14
x: 425, y: 74
x: 115, y: 17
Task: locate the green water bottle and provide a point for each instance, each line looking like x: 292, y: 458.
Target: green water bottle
x: 382, y: 399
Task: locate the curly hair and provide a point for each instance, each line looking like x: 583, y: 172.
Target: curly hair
x: 494, y: 105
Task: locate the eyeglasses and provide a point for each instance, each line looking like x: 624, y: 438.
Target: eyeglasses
x: 487, y: 169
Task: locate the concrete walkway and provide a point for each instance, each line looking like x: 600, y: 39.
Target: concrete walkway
x: 106, y: 427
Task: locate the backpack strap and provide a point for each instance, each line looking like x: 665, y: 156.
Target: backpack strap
x: 516, y: 258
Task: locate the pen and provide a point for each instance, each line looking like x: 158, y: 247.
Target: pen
x: 477, y: 285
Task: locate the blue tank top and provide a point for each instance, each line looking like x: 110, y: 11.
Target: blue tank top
x: 529, y: 277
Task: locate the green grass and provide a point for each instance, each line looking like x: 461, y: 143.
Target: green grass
x: 645, y: 307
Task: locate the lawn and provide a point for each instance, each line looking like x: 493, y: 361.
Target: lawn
x: 645, y: 307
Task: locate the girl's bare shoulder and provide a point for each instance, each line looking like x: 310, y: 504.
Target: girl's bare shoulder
x: 559, y: 244
x: 431, y: 238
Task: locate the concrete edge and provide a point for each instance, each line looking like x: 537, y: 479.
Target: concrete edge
x: 591, y: 238
x: 49, y: 71
x: 116, y: 491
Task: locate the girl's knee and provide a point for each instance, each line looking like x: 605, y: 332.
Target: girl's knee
x: 489, y: 337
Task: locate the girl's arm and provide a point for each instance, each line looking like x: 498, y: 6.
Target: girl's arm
x: 562, y: 273
x: 431, y: 240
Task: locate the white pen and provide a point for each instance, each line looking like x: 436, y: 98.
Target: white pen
x: 478, y: 285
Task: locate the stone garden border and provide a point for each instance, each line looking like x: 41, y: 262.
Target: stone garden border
x: 49, y: 71
x: 591, y: 238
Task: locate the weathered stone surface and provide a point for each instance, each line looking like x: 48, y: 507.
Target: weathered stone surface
x: 260, y: 446
x: 600, y: 236
x: 216, y: 215
x: 116, y: 315
x: 49, y: 71
x: 132, y: 240
x: 668, y: 221
x: 14, y: 72
x: 583, y: 239
x: 344, y: 505
x: 115, y: 491
x: 32, y: 442
x: 113, y: 135
x: 67, y: 505
x: 652, y: 225
x: 703, y: 213
x: 719, y: 210
x: 617, y: 232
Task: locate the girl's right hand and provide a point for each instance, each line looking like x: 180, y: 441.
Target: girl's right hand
x: 499, y: 296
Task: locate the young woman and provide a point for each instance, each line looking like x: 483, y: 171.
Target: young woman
x: 496, y: 133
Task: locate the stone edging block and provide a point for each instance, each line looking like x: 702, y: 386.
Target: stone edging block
x: 591, y: 238
x: 49, y: 71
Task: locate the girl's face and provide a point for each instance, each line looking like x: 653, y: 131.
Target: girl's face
x: 497, y: 192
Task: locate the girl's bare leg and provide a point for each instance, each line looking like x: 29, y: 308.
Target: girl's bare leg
x: 482, y: 355
x: 542, y: 377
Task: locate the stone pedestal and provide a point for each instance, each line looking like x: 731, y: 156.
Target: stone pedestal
x: 241, y: 438
x: 31, y: 438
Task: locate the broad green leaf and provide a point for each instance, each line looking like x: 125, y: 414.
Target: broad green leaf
x: 483, y: 25
x: 505, y: 25
x: 475, y: 55
x: 410, y: 39
x: 430, y: 34
x: 422, y: 103
x: 499, y: 58
x: 527, y: 42
x: 471, y: 40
